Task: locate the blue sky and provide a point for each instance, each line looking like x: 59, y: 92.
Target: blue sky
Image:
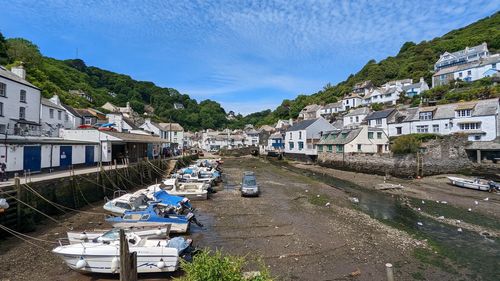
x: 247, y: 55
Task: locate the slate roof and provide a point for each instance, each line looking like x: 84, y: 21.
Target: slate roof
x: 358, y: 111
x: 474, y: 64
x: 171, y: 126
x: 333, y: 105
x: 131, y: 123
x: 335, y: 137
x: 447, y: 111
x: 13, y: 77
x: 413, y: 86
x: 71, y: 110
x: 276, y: 136
x: 138, y: 138
x: 380, y: 114
x: 302, y: 125
x: 49, y: 103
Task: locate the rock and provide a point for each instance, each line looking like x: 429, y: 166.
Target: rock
x: 441, y: 217
x: 307, y: 190
x: 423, y: 202
x: 419, y: 223
x: 458, y: 221
x: 470, y: 209
x: 249, y: 275
x: 444, y: 202
x: 486, y: 199
x: 355, y: 273
x: 475, y: 202
x: 317, y: 195
x: 327, y: 204
x: 459, y: 229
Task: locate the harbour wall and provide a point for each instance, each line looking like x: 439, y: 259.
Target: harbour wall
x: 30, y: 201
x: 436, y: 157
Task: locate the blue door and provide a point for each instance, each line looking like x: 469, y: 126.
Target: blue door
x: 89, y: 155
x: 150, y: 151
x: 65, y: 157
x: 32, y: 159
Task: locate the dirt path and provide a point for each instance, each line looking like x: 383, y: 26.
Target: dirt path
x: 289, y: 226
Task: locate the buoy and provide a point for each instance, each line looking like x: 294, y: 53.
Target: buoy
x: 475, y: 202
x: 486, y: 199
x: 423, y: 202
x: 161, y: 264
x: 115, y: 265
x: 158, y: 232
x: 82, y: 263
x: 83, y: 236
x: 459, y: 229
x: 419, y: 223
x: 470, y: 210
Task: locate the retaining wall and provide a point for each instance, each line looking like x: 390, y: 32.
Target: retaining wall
x: 437, y: 157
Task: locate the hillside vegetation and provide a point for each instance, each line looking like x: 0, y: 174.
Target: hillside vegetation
x: 412, y: 61
x: 54, y: 76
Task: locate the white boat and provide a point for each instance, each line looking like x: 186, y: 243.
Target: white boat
x: 153, y: 255
x: 114, y: 234
x: 477, y: 184
x: 190, y: 190
x: 128, y: 201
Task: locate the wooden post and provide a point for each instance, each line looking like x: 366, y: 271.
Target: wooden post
x: 128, y: 261
x: 17, y: 183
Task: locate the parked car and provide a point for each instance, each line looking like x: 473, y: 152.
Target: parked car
x: 249, y: 186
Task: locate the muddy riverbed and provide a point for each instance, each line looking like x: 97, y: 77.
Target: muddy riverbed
x: 300, y: 227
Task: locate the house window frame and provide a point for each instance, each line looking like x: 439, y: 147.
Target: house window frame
x: 22, y: 113
x: 422, y: 128
x: 399, y: 130
x: 435, y: 128
x: 370, y: 135
x: 464, y: 112
x: 426, y: 115
x: 51, y: 113
x: 59, y: 115
x: 360, y: 147
x: 379, y: 135
x: 22, y: 96
x: 1, y: 109
x: 3, y: 90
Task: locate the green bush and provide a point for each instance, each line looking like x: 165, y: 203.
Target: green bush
x: 213, y: 266
x: 408, y: 144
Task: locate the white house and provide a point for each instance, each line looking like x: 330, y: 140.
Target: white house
x: 283, y: 124
x: 388, y: 95
x: 53, y: 118
x: 355, y: 117
x: 378, y: 119
x: 467, y: 72
x: 467, y: 55
x: 19, y: 103
x: 327, y: 110
x: 173, y: 133
x: 251, y: 138
x: 415, y: 89
x: 362, y: 88
x: 301, y: 139
x: 122, y: 123
x: 363, y: 139
x: 215, y: 140
x: 477, y: 119
x: 351, y: 101
x: 74, y: 118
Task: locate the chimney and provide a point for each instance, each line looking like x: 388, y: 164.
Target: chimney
x: 55, y: 99
x: 147, y: 120
x: 128, y: 105
x: 19, y: 71
x: 421, y: 79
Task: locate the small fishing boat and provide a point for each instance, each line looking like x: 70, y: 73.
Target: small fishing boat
x: 113, y: 234
x: 153, y: 255
x: 155, y: 214
x: 140, y: 199
x: 191, y: 190
x: 477, y: 184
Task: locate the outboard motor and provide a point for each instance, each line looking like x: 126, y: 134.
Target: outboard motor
x: 192, y: 218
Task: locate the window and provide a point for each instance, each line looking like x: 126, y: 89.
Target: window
x: 22, y: 96
x: 22, y: 113
x: 1, y: 108
x: 3, y: 90
x: 464, y: 113
x: 435, y: 128
x: 379, y: 135
x: 357, y: 119
x: 350, y: 118
x: 175, y: 133
x: 469, y: 72
x: 477, y: 137
x: 378, y: 121
x: 51, y: 113
x: 370, y: 135
x: 320, y: 148
x: 340, y: 148
x: 88, y: 120
x: 359, y: 147
x: 399, y: 130
x: 469, y: 126
x: 425, y: 115
x: 330, y: 148
x: 290, y: 145
x: 290, y: 135
x: 423, y: 129
x: 344, y: 135
x: 3, y: 129
x: 460, y: 74
x: 59, y: 115
x: 494, y: 65
x: 301, y: 145
x: 66, y: 117
x: 300, y: 135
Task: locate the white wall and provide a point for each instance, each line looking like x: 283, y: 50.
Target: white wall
x: 51, y: 126
x: 12, y: 103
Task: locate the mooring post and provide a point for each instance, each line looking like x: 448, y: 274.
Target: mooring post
x: 128, y: 261
x: 390, y: 272
x: 17, y: 183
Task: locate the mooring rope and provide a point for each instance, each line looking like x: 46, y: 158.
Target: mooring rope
x: 41, y: 196
x: 20, y: 237
x: 31, y: 207
x: 24, y: 235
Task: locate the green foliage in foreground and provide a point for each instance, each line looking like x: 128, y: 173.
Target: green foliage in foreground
x: 214, y: 266
x: 409, y: 144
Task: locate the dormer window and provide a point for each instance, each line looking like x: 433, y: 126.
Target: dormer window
x: 464, y: 113
x: 426, y: 115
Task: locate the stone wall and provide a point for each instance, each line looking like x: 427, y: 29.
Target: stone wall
x: 445, y: 155
x: 249, y: 150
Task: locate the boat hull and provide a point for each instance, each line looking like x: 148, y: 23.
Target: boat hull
x: 105, y: 259
x: 174, y: 228
x: 464, y: 183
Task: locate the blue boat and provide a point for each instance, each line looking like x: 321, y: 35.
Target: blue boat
x: 155, y: 214
x: 164, y: 198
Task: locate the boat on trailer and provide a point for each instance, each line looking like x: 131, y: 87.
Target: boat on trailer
x: 153, y: 255
x: 477, y: 184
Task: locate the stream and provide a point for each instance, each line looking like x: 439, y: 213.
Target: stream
x: 479, y: 254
